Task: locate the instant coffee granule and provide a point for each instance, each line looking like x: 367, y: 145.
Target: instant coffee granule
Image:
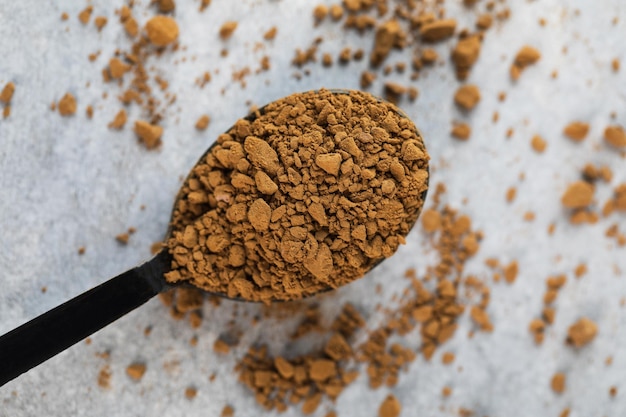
x: 305, y: 196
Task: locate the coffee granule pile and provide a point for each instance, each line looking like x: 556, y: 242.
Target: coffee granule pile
x: 305, y: 196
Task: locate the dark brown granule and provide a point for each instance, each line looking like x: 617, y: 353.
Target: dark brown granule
x: 136, y: 371
x: 299, y: 214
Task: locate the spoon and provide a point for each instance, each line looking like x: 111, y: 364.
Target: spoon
x: 38, y: 340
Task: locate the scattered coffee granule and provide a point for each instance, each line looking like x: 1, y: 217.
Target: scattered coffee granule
x: 558, y: 383
x: 484, y: 21
x: 510, y: 272
x: 538, y: 144
x: 461, y: 131
x: 264, y: 217
x: 447, y: 358
x: 388, y: 36
x: 367, y: 78
x: 582, y: 332
x: 227, y: 411
x: 576, y: 131
x: 7, y: 93
x: 221, y: 347
x: 270, y: 34
x: 320, y: 12
x: 537, y: 328
x: 85, y: 15
x: 390, y: 407
x: 227, y: 29
x: 190, y: 393
x: 613, y: 391
x: 100, y: 22
x: 579, y: 194
x: 161, y: 30
x: 465, y: 54
x: 136, y: 371
x: 203, y: 122
x: 117, y: 68
x: 467, y: 96
x: 123, y: 238
x: 119, y: 121
x: 67, y: 105
x: 446, y: 391
x: 148, y: 134
x: 511, y: 193
x: 580, y: 270
x: 438, y: 30
x: 104, y: 377
x: 615, y: 136
x: 615, y: 64
x: 526, y: 56
x: 429, y: 56
x: 168, y: 6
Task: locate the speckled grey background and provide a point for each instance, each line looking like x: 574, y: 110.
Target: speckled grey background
x: 71, y: 182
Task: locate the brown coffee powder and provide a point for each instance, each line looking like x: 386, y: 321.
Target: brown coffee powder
x: 305, y: 196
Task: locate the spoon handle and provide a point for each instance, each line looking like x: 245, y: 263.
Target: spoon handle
x: 43, y: 337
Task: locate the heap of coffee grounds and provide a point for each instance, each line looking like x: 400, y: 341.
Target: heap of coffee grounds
x: 305, y: 196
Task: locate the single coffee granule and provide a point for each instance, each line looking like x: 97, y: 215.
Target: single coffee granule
x: 465, y: 55
x: 190, y: 393
x: 85, y: 15
x: 119, y: 121
x: 123, y: 238
x: 615, y: 136
x: 582, y: 332
x: 306, y: 196
x: 270, y: 34
x: 579, y: 194
x: 438, y: 30
x: 390, y: 407
x: 525, y: 57
x: 117, y: 68
x: 203, y: 122
x: 104, y: 377
x: 538, y: 144
x: 613, y: 391
x: 461, y: 131
x: 67, y: 105
x: 227, y: 411
x: 100, y: 22
x: 136, y: 371
x: 558, y: 383
x: 467, y: 96
x: 446, y: 391
x: 447, y: 358
x: 148, y: 134
x: 7, y: 93
x: 511, y: 193
x: 161, y: 30
x: 576, y: 131
x: 227, y: 30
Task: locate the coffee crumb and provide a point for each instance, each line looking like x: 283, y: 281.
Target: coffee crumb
x: 7, y: 93
x: 85, y: 15
x: 615, y: 64
x: 438, y: 30
x: 576, y: 131
x: 447, y: 358
x: 558, y: 383
x: 203, y: 122
x: 161, y: 30
x: 81, y: 250
x: 221, y: 347
x: 461, y: 131
x: 511, y: 193
x: 67, y: 105
x: 190, y: 393
x: 579, y: 194
x: 270, y: 34
x: 227, y: 411
x: 104, y: 377
x: 136, y: 371
x: 582, y: 332
x: 538, y: 144
x: 227, y: 29
x: 510, y: 272
x: 525, y: 57
x: 390, y: 407
x: 123, y: 238
x: 615, y: 136
x: 148, y: 134
x: 465, y: 54
x: 467, y: 96
x: 446, y: 391
x: 580, y: 270
x: 119, y: 120
x: 100, y: 22
x: 431, y: 220
x: 613, y: 391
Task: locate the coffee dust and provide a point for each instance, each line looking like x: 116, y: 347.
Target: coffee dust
x: 318, y: 186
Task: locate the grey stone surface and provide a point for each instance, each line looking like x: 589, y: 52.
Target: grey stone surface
x: 71, y: 182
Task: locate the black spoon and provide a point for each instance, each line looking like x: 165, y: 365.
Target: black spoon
x: 43, y: 337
